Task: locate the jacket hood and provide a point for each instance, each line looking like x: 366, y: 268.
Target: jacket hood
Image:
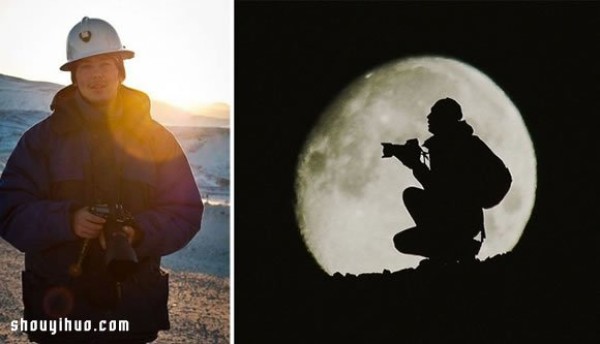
x: 66, y: 117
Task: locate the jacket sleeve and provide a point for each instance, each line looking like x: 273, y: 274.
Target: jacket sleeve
x: 177, y: 210
x: 422, y: 174
x: 29, y: 220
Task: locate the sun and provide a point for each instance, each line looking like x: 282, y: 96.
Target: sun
x: 188, y: 94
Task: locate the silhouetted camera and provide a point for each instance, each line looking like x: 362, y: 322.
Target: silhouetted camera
x: 408, y: 151
x: 120, y: 257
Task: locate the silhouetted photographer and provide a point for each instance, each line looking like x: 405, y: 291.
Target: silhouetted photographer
x: 463, y: 177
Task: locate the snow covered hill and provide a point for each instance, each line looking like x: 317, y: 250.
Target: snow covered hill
x: 20, y: 94
x: 24, y: 103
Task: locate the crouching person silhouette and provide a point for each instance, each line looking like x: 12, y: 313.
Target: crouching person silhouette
x: 463, y: 177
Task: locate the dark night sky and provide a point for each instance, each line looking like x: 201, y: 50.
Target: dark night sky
x: 292, y: 59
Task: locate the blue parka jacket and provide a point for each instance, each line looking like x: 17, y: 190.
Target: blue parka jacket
x: 48, y: 177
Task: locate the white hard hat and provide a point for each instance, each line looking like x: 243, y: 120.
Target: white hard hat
x: 91, y: 37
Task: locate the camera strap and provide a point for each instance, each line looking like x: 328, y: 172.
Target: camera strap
x: 425, y: 157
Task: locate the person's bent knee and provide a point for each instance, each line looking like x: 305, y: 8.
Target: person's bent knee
x: 400, y: 242
x: 412, y: 193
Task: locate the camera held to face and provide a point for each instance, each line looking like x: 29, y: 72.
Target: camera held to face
x: 121, y: 260
x: 409, y: 153
x: 410, y: 148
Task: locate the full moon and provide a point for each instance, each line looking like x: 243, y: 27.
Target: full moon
x: 349, y: 200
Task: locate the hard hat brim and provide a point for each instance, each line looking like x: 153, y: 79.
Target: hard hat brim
x: 125, y: 54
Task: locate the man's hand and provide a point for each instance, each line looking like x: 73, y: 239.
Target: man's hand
x: 410, y: 161
x: 87, y: 225
x: 410, y: 154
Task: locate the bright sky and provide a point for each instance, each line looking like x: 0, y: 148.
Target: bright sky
x: 183, y: 48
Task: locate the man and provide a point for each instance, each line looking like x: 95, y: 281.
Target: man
x: 448, y: 210
x: 99, y: 149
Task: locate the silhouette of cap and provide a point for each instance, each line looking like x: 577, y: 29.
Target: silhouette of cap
x: 449, y: 108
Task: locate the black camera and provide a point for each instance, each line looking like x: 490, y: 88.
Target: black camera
x: 120, y: 257
x: 408, y: 150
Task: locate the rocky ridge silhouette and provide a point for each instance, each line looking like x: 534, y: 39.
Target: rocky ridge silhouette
x: 509, y: 298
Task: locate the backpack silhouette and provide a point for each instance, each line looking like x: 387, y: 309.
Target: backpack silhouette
x: 494, y: 179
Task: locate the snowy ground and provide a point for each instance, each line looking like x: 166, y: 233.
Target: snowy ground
x: 208, y: 252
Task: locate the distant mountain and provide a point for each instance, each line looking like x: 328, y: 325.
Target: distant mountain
x: 207, y: 150
x: 173, y: 116
x: 24, y: 95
